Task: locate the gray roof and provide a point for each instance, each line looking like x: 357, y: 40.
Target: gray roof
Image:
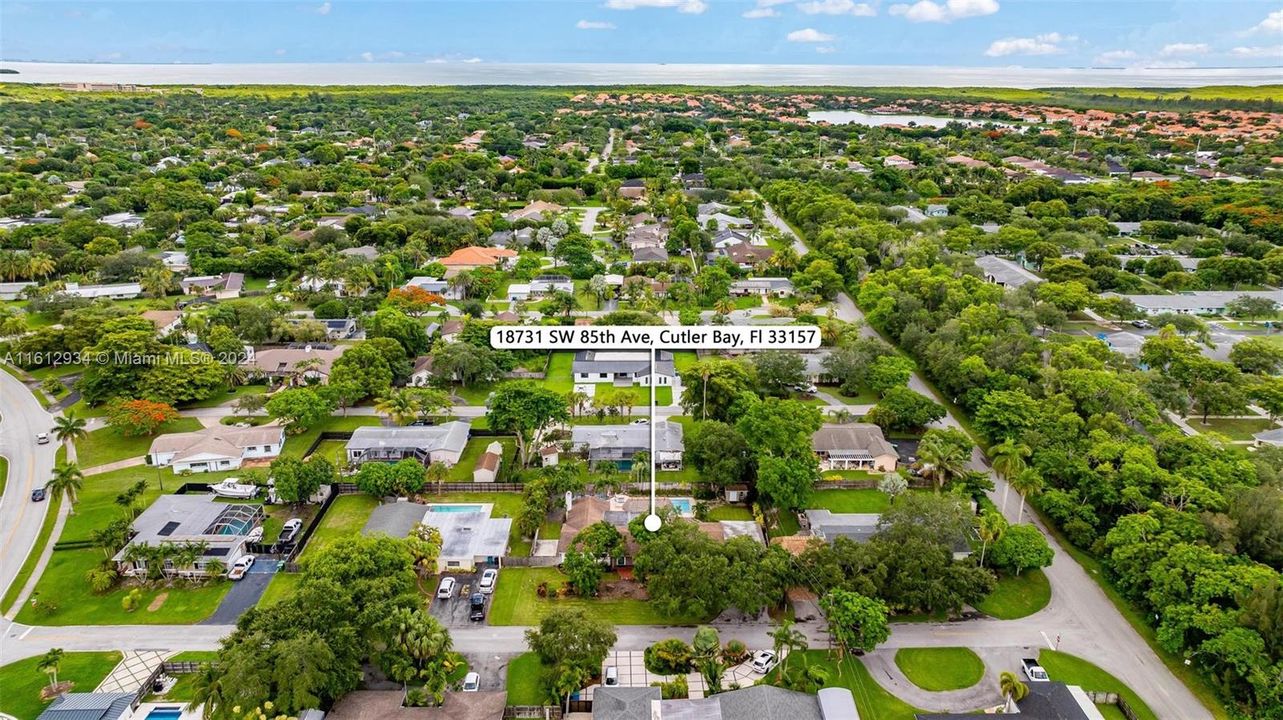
x: 1273, y: 436
x: 758, y: 702
x: 830, y: 525
x: 1005, y: 272
x: 770, y: 283
x: 452, y: 435
x: 650, y: 254
x: 1195, y: 301
x: 88, y: 706
x: 369, y: 252
x: 668, y: 436
x: 837, y: 703
x: 623, y: 703
x: 470, y: 534
x: 622, y: 362
x: 198, y: 518
x: 394, y: 519
x: 853, y: 440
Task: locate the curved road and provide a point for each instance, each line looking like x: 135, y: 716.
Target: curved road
x: 30, y: 466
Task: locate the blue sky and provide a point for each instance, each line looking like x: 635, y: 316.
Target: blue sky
x: 1030, y: 33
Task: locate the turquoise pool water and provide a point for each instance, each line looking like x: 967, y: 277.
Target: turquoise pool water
x: 454, y: 508
x: 165, y: 713
x: 681, y: 505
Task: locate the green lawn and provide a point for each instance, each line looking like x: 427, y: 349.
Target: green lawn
x: 29, y: 565
x: 296, y: 445
x: 851, y: 501
x: 525, y: 680
x: 559, y: 376
x: 663, y: 396
x: 333, y: 450
x: 1072, y: 670
x: 462, y: 471
x: 346, y: 517
x: 1233, y: 428
x: 282, y: 585
x: 516, y: 603
x: 21, y: 681
x: 864, y: 397
x: 63, y: 583
x: 4, y: 474
x: 729, y: 512
x: 684, y: 359
x: 225, y: 397
x: 870, y: 699
x: 788, y: 524
x: 940, y: 669
x: 1017, y: 596
x: 550, y: 530
x: 107, y: 445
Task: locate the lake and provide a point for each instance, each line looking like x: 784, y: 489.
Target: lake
x: 580, y: 74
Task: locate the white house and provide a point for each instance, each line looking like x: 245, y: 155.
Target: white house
x: 13, y: 290
x: 1200, y: 302
x: 765, y: 287
x: 1004, y: 272
x: 622, y: 367
x: 223, y: 287
x: 217, y: 448
x: 435, y: 286
x: 118, y: 291
x: 621, y: 443
x: 428, y: 444
x: 223, y: 528
x: 124, y: 220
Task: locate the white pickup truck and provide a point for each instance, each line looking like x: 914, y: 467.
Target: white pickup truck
x: 1033, y: 670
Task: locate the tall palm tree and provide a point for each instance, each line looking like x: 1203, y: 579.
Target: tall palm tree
x: 1008, y: 458
x: 40, y: 265
x: 1012, y: 689
x: 49, y: 664
x: 941, y: 460
x: 156, y: 281
x: 990, y: 528
x: 577, y: 400
x: 725, y: 306
x: 1026, y: 483
x: 67, y: 478
x: 437, y: 473
x: 787, y: 637
x: 207, y: 690
x: 398, y: 405
x: 69, y: 428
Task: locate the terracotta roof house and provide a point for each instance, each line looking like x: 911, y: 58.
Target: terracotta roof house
x: 475, y: 256
x: 856, y: 446
x: 165, y: 321
x: 216, y: 448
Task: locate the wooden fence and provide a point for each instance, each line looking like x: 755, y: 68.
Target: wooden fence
x: 532, y: 712
x: 530, y: 561
x: 182, y: 667
x: 1110, y: 698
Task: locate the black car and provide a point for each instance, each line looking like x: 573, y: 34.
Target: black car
x: 38, y: 495
x: 477, y: 607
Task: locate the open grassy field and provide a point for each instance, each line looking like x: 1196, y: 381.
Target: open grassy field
x: 940, y: 669
x: 21, y: 681
x: 346, y: 517
x: 870, y: 699
x: 1072, y: 670
x: 516, y: 602
x: 1233, y: 428
x: 107, y: 445
x: 462, y: 471
x: 525, y: 680
x: 1017, y: 596
x: 851, y: 501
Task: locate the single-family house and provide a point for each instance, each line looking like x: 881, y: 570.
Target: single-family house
x: 115, y: 291
x: 461, y: 211
x: 536, y: 211
x: 428, y: 444
x: 755, y: 702
x: 122, y: 220
x: 225, y: 286
x: 175, y: 261
x: 365, y: 252
x: 549, y: 284
x: 633, y: 189
x: 475, y: 256
x: 13, y: 290
x: 293, y: 364
x: 623, y: 367
x: 764, y: 287
x: 937, y: 210
x: 90, y: 706
x: 693, y: 181
x: 165, y: 321
x: 434, y: 286
x: 728, y: 237
x: 339, y: 328
x: 621, y: 443
x: 650, y: 254
x: 896, y: 161
x: 421, y: 374
x: 723, y: 221
x: 816, y: 373
x: 518, y: 292
x: 746, y: 256
x: 1272, y: 437
x: 222, y: 528
x: 1044, y: 701
x: 1004, y: 272
x: 854, y: 446
x: 314, y: 284
x: 470, y: 537
x: 217, y: 448
x: 488, y: 463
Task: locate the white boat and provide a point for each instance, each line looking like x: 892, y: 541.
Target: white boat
x: 231, y: 489
x: 255, y: 535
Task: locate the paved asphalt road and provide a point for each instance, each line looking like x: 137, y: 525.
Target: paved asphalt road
x: 30, y: 466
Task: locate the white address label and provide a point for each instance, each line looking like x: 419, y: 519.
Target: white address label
x: 645, y: 337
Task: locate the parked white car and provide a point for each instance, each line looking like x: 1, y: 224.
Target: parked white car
x: 764, y: 661
x: 489, y: 578
x: 240, y: 567
x: 445, y: 590
x: 290, y: 530
x: 471, y: 682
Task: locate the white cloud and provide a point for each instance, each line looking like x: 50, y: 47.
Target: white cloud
x: 760, y: 12
x: 367, y: 56
x: 1046, y: 44
x: 279, y: 52
x: 595, y: 25
x: 1169, y: 64
x: 950, y: 10
x: 825, y: 49
x: 472, y: 60
x: 809, y: 35
x: 1185, y: 49
x: 692, y: 7
x: 1273, y: 23
x: 838, y: 7
x: 324, y: 8
x: 1271, y: 51
x: 1115, y: 57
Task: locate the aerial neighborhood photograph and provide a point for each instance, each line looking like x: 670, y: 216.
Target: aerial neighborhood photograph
x: 357, y: 364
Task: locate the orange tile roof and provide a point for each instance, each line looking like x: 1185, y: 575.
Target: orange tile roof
x: 477, y: 255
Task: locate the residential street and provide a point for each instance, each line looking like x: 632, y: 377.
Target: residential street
x: 30, y: 465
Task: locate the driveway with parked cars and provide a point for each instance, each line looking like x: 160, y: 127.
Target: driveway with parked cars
x: 244, y: 593
x: 454, y: 612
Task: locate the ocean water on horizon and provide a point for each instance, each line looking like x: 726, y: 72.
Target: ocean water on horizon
x: 627, y: 74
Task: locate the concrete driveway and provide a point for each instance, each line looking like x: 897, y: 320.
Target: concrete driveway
x: 454, y: 611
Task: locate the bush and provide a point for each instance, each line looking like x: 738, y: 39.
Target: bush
x: 669, y: 657
x: 674, y: 689
x: 130, y: 601
x: 735, y: 652
x: 330, y: 310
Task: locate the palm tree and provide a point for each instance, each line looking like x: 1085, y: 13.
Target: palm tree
x: 577, y: 400
x: 40, y: 266
x: 398, y: 405
x: 1008, y: 458
x: 568, y: 680
x: 156, y: 281
x: 49, y: 664
x: 437, y: 473
x: 785, y: 636
x: 207, y: 690
x: 941, y: 460
x: 1012, y: 689
x: 724, y: 307
x: 67, y: 478
x: 69, y: 428
x: 990, y: 529
x: 1026, y: 483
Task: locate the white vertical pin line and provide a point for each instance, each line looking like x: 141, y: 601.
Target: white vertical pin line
x: 653, y: 456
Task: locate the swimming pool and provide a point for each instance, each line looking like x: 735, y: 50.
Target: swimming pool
x: 165, y: 713
x: 454, y: 508
x: 681, y: 505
